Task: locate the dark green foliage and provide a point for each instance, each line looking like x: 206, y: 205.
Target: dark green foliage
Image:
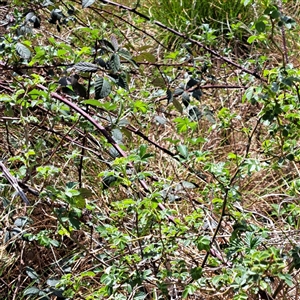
x: 148, y: 173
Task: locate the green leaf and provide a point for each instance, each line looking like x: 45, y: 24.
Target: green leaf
x: 108, y: 181
x: 159, y: 82
x: 251, y: 39
x: 194, y: 113
x: 197, y: 94
x: 31, y: 291
x: 186, y: 99
x: 31, y: 273
x: 107, y: 45
x: 85, y: 192
x: 117, y: 135
x: 145, y: 56
x: 260, y: 26
x: 52, y: 282
x: 196, y: 273
x: 203, y: 243
x: 122, y: 81
x: 114, y: 63
x: 183, y: 150
x: 177, y: 105
x: 169, y: 96
x: 189, y: 290
x: 102, y: 88
x: 23, y: 51
x: 114, y: 42
x: 178, y: 91
x: 87, y: 3
x: 125, y: 54
x: 287, y: 278
x: 209, y: 115
x: 93, y: 103
x: 86, y: 67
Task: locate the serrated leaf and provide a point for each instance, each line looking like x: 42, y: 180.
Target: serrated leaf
x: 106, y: 45
x: 31, y: 291
x: 117, y: 135
x: 23, y: 30
x: 186, y: 99
x: 122, y: 81
x: 197, y: 94
x: 133, y: 63
x: 192, y: 82
x: 169, y: 96
x: 87, y: 3
x: 102, y: 88
x: 114, y: 63
x: 101, y: 62
x: 114, y: 42
x: 86, y: 67
x: 23, y: 51
x: 183, y: 150
x: 178, y: 91
x: 177, y: 105
x: 113, y: 152
x: 125, y: 54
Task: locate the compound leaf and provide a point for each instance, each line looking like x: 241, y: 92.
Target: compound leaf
x: 125, y: 54
x: 197, y: 94
x: 23, y: 51
x: 186, y: 99
x: 102, y: 88
x: 86, y: 67
x: 122, y: 81
x: 107, y: 45
x: 114, y: 63
x: 114, y: 42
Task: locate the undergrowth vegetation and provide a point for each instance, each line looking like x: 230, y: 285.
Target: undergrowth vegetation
x: 142, y: 162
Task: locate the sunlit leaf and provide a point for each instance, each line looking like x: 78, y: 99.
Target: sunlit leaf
x: 87, y: 3
x: 23, y: 51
